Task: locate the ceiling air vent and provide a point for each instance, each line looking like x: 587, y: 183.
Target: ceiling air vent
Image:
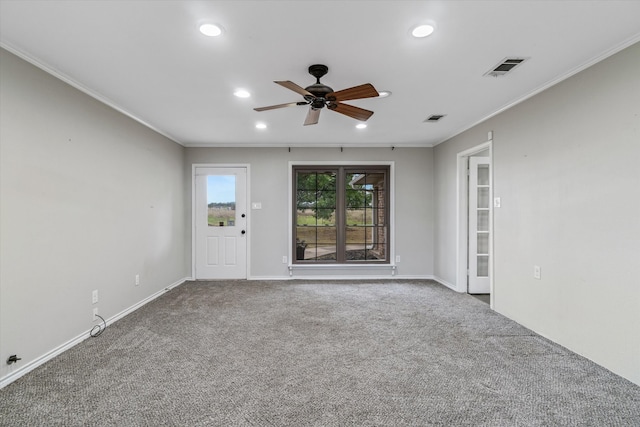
x: 434, y: 118
x: 504, y: 66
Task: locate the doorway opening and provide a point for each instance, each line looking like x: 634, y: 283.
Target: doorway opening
x: 475, y: 221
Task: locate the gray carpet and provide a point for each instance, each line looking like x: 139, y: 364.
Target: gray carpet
x: 402, y: 353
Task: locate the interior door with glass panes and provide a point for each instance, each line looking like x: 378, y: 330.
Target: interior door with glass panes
x: 220, y: 223
x: 479, y: 214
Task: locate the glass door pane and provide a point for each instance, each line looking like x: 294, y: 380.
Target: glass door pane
x: 483, y: 197
x: 483, y: 220
x: 483, y: 174
x: 221, y: 200
x: 483, y: 266
x: 365, y: 235
x: 316, y: 232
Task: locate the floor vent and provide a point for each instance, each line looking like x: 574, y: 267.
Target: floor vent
x: 434, y: 118
x: 505, y: 66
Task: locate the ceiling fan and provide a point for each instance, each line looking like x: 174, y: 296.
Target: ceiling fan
x: 318, y: 96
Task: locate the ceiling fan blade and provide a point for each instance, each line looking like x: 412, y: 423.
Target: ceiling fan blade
x: 312, y: 116
x: 294, y: 87
x: 357, y: 92
x: 351, y: 111
x: 273, y: 107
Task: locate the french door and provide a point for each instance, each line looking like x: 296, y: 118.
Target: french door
x: 479, y: 215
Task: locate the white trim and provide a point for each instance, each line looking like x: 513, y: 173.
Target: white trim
x: 11, y: 377
x: 194, y: 166
x: 298, y: 145
x: 93, y: 94
x: 593, y: 61
x: 346, y: 267
x: 144, y: 301
x: 462, y: 216
x: 445, y: 283
x: 392, y: 217
x: 58, y: 74
x: 491, y: 230
x: 338, y: 277
x: 343, y: 277
x: 374, y: 269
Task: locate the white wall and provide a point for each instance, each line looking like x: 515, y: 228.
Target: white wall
x: 88, y: 199
x: 565, y: 166
x: 269, y: 167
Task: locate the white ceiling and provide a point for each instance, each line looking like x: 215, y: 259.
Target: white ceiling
x: 148, y: 60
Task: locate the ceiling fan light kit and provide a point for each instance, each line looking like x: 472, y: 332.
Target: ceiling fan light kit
x: 319, y: 95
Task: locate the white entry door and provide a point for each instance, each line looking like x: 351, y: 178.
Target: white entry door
x: 220, y: 223
x: 479, y: 214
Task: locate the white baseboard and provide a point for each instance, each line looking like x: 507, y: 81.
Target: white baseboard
x: 30, y: 366
x: 447, y: 284
x: 144, y: 301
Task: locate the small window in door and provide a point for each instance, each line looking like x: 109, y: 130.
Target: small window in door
x: 221, y: 200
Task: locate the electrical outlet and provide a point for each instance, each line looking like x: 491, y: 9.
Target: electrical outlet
x: 94, y: 297
x: 284, y: 259
x: 536, y: 272
x: 137, y: 279
x: 95, y: 313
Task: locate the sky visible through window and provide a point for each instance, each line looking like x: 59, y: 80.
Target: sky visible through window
x: 221, y: 188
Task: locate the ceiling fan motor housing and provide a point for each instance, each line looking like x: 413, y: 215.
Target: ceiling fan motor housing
x: 318, y: 70
x: 318, y: 89
x: 319, y: 92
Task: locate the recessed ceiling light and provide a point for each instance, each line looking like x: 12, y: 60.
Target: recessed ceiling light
x: 361, y: 125
x: 261, y: 125
x: 211, y: 30
x: 241, y: 93
x: 384, y: 93
x: 423, y: 30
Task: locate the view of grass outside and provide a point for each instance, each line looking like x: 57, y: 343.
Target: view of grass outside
x: 221, y: 196
x: 221, y: 215
x: 320, y: 234
x: 355, y: 217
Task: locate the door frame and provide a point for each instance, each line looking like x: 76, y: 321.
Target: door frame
x: 193, y: 210
x: 462, y: 216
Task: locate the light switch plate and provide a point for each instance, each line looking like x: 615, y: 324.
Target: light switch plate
x: 496, y: 202
x: 256, y: 205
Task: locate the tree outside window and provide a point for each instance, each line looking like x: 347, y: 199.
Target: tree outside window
x: 341, y: 214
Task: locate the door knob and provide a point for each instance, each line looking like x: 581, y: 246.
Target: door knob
x: 243, y: 232
x: 243, y: 215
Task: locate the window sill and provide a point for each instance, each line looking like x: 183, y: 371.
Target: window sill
x: 324, y: 269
